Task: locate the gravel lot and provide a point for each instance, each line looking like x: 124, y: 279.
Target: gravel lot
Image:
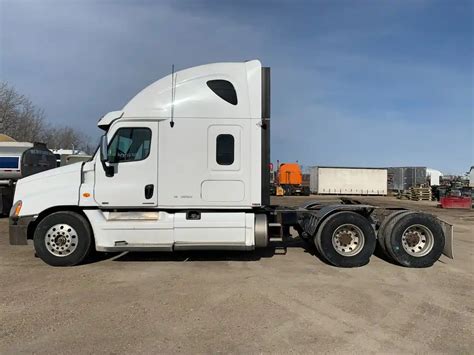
x: 203, y: 302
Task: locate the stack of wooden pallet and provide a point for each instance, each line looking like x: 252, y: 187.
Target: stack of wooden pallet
x: 402, y: 195
x: 420, y: 193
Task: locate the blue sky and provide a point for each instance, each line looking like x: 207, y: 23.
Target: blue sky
x: 354, y: 83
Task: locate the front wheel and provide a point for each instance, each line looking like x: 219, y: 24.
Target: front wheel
x: 346, y: 239
x: 63, y: 239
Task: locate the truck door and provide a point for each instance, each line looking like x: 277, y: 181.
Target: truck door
x: 133, y: 154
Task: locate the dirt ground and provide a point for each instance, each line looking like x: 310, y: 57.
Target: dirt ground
x: 237, y: 302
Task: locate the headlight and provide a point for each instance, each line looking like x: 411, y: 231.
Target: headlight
x: 16, y: 208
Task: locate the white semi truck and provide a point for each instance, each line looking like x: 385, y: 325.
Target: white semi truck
x: 185, y: 165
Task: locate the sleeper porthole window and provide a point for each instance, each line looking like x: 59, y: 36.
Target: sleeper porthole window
x: 224, y: 89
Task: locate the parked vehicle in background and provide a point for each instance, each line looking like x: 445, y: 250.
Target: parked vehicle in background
x: 289, y: 180
x: 454, y: 185
x: 18, y: 160
x: 70, y: 156
x: 191, y: 170
x: 433, y: 177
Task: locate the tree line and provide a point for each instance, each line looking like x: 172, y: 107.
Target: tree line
x: 25, y: 122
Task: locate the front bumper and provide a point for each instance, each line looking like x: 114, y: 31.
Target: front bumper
x: 18, y: 230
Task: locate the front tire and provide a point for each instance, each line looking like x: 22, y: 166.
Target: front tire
x: 63, y: 239
x: 346, y: 239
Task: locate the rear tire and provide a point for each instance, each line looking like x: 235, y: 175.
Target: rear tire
x: 63, y: 239
x: 382, y: 234
x: 414, y: 240
x: 346, y: 239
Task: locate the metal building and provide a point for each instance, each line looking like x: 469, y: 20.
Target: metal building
x: 402, y: 178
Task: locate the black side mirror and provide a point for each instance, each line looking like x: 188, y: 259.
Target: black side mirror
x: 104, y: 156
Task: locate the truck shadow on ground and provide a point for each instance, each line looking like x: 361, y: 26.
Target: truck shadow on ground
x: 209, y: 255
x: 379, y: 253
x: 225, y: 255
x: 274, y: 248
x: 195, y: 255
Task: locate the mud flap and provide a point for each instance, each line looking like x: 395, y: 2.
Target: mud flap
x: 448, y: 230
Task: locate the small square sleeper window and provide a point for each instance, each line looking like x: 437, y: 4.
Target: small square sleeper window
x: 225, y: 149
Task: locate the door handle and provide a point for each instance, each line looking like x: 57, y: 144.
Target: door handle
x: 149, y: 191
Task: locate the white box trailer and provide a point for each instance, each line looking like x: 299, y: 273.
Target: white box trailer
x: 348, y: 181
x: 186, y: 165
x: 433, y: 176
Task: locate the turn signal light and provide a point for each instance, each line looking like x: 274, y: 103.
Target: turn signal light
x: 15, y: 211
x: 86, y: 194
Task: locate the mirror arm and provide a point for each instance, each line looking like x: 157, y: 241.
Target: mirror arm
x: 109, y: 170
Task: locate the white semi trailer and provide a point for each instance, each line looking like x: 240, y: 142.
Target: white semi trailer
x: 185, y: 165
x: 348, y: 181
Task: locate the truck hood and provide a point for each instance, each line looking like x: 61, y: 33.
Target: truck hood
x: 67, y: 169
x: 51, y: 188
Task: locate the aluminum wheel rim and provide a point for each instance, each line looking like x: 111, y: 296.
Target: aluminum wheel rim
x: 61, y: 240
x: 348, y: 240
x: 417, y: 240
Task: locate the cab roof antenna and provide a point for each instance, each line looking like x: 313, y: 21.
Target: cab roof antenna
x: 173, y: 90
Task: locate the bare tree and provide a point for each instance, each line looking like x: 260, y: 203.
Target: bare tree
x: 23, y: 121
x: 65, y: 137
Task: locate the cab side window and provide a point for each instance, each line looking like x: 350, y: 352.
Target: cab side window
x: 130, y: 144
x: 225, y: 149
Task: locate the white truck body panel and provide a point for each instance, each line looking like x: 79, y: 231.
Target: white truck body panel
x: 348, y: 181
x: 51, y: 188
x: 167, y: 231
x: 110, y: 231
x: 188, y: 175
x: 193, y: 99
x: 127, y: 187
x: 213, y: 228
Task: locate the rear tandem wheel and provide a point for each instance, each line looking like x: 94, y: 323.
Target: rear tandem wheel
x: 413, y: 239
x: 345, y: 239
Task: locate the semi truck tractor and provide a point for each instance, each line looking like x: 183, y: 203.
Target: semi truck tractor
x: 290, y: 180
x: 17, y: 160
x: 185, y: 165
